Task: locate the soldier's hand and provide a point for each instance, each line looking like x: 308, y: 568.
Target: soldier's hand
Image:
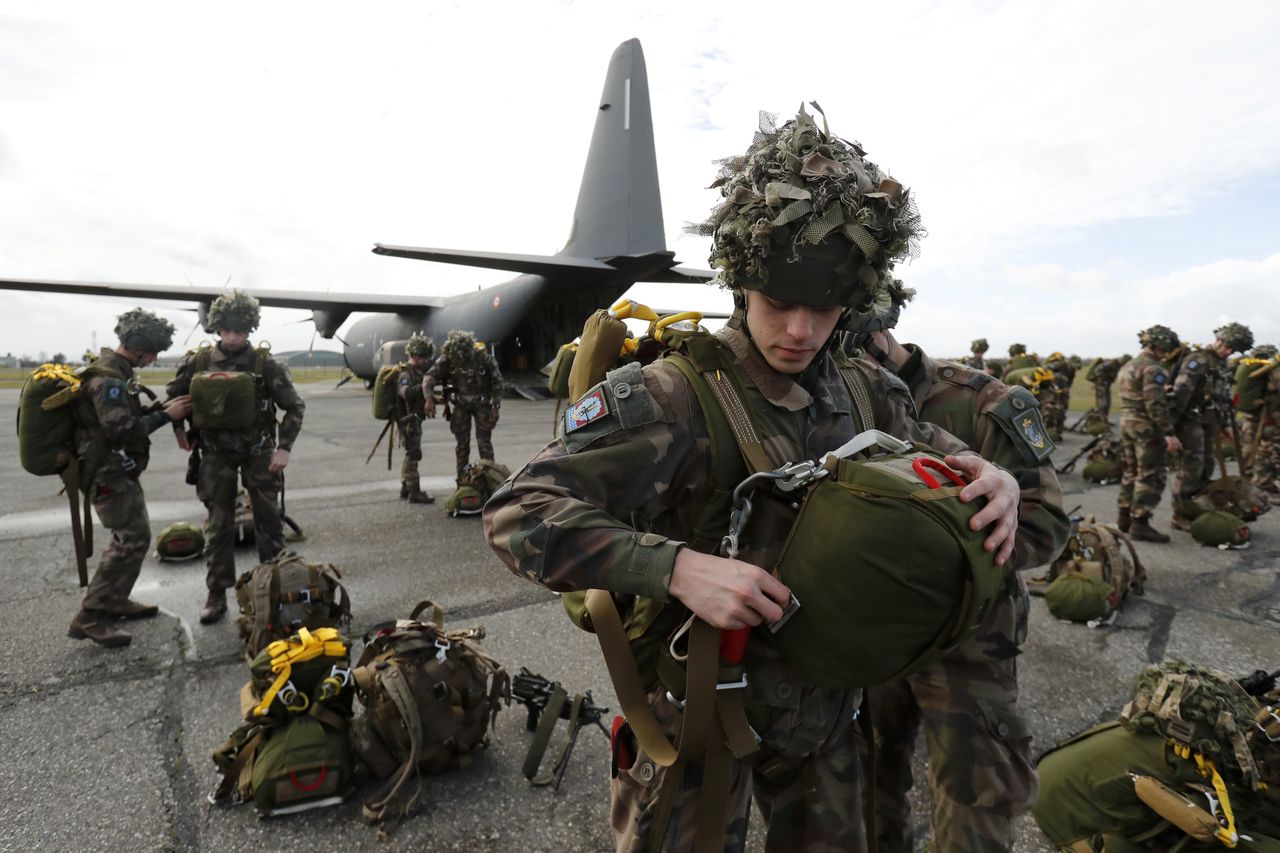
x: 279, y: 459
x: 1172, y: 443
x: 429, y: 408
x: 178, y: 408
x: 493, y: 413
x: 728, y: 594
x: 184, y: 438
x: 1002, y: 494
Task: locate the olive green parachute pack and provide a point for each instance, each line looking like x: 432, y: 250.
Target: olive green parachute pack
x: 294, y: 751
x: 231, y: 400
x: 181, y: 540
x: 1250, y: 382
x: 1104, y: 465
x: 1220, y: 530
x: 1096, y: 423
x: 1234, y: 495
x: 280, y: 597
x: 430, y: 697
x: 1093, y: 575
x: 476, y: 484
x: 386, y: 399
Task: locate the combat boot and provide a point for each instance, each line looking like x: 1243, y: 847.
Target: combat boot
x: 1124, y: 519
x: 1180, y: 522
x: 129, y: 609
x: 1144, y: 532
x: 417, y: 496
x: 96, y: 625
x: 404, y: 490
x: 215, y: 607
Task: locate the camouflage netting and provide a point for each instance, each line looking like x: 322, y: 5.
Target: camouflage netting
x: 885, y: 308
x: 458, y: 345
x: 142, y: 331
x: 1235, y: 335
x: 420, y: 346
x: 236, y: 311
x: 796, y: 186
x: 979, y: 346
x: 1017, y: 349
x: 1160, y: 337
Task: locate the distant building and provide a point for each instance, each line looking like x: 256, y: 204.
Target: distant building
x: 311, y: 358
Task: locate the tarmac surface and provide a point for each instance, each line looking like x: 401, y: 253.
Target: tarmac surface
x: 110, y: 749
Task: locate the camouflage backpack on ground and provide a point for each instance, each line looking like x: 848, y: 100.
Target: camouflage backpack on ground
x: 1104, y: 464
x: 477, y: 482
x: 1108, y: 568
x: 278, y: 598
x: 1235, y: 495
x: 181, y: 540
x: 294, y: 751
x: 429, y: 698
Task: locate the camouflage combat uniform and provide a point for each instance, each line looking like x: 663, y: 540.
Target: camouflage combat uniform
x: 1199, y: 373
x: 1104, y: 374
x: 229, y: 455
x: 980, y: 771
x: 473, y: 389
x: 113, y: 444
x: 1144, y: 422
x: 409, y: 420
x: 1266, y: 459
x: 608, y: 505
x: 1056, y: 415
x: 976, y: 361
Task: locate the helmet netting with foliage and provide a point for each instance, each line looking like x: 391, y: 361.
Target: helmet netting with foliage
x: 1158, y: 336
x: 420, y: 346
x: 143, y: 331
x: 1235, y: 335
x: 458, y: 346
x: 237, y: 311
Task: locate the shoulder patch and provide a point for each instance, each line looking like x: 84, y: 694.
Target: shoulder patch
x: 1192, y: 364
x: 1019, y: 418
x: 621, y: 401
x: 591, y: 407
x: 1160, y: 377
x: 114, y: 392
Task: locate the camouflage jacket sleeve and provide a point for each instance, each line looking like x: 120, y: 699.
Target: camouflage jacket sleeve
x: 409, y: 389
x: 285, y: 396
x: 1190, y: 385
x: 608, y: 505
x: 1154, y: 382
x: 181, y: 382
x: 115, y: 411
x: 437, y: 374
x: 495, y: 378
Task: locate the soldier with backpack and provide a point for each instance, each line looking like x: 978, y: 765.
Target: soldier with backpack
x: 113, y: 446
x: 630, y: 503
x: 236, y: 389
x: 409, y: 413
x: 472, y: 387
x: 1146, y: 433
x: 1257, y: 395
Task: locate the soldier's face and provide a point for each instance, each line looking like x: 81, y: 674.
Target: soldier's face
x: 787, y: 335
x: 418, y: 361
x: 232, y: 340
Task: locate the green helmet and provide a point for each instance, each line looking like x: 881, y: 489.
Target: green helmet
x: 1159, y: 337
x: 420, y: 346
x: 142, y: 331
x: 1235, y: 335
x: 979, y: 346
x: 807, y: 219
x: 181, y: 540
x: 458, y: 346
x: 1264, y: 351
x: 1220, y: 529
x: 1017, y: 349
x: 236, y: 311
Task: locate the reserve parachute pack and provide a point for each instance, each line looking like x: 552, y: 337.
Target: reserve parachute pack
x: 228, y: 399
x: 430, y: 698
x: 294, y: 751
x: 476, y: 484
x: 280, y: 597
x: 1093, y: 575
x: 1234, y: 495
x: 181, y: 540
x: 1220, y: 530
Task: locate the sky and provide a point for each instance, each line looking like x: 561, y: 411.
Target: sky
x: 1084, y: 169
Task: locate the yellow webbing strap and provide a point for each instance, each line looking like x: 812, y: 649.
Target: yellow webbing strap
x: 285, y: 653
x: 1226, y: 834
x: 625, y: 309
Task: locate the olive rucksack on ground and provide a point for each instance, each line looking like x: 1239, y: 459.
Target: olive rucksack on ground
x: 294, y: 751
x: 1235, y: 495
x: 181, y: 540
x: 278, y: 598
x: 476, y: 484
x: 1104, y: 464
x: 429, y: 698
x: 1096, y: 423
x: 386, y: 397
x: 1110, y: 568
x: 1220, y: 530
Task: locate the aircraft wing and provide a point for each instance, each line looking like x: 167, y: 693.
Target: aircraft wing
x: 275, y: 298
x: 654, y: 267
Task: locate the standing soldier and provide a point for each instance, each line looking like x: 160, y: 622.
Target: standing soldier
x: 1200, y: 403
x: 113, y: 445
x: 1102, y: 373
x: 1064, y: 373
x: 1146, y: 433
x: 968, y: 699
x: 472, y: 385
x: 409, y: 413
x: 976, y: 351
x: 620, y: 502
x: 255, y: 454
x: 1019, y: 359
x: 1257, y: 390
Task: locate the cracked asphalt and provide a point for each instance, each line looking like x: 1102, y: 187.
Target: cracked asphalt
x: 110, y: 749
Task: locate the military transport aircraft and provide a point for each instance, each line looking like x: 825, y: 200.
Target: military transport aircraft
x: 616, y: 240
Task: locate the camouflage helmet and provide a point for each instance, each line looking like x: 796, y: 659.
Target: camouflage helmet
x: 1235, y: 335
x: 979, y: 346
x: 181, y: 540
x: 236, y: 311
x: 420, y: 346
x: 807, y: 219
x: 1159, y: 337
x: 142, y: 331
x: 1220, y: 529
x: 1017, y: 349
x: 458, y: 345
x: 883, y: 314
x: 1264, y: 351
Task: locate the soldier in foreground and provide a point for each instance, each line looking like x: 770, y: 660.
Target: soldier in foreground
x: 1200, y: 403
x: 1146, y: 434
x: 409, y: 414
x: 980, y: 771
x: 614, y: 503
x: 113, y: 445
x: 472, y: 385
x: 256, y: 454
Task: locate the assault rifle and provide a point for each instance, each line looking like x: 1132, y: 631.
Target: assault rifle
x: 1070, y: 465
x: 545, y: 702
x: 1259, y: 682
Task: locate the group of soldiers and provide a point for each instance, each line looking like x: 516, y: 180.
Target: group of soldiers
x: 1049, y: 379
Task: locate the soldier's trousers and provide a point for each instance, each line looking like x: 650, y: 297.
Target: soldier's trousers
x: 460, y: 425
x: 1145, y: 459
x: 980, y: 771
x: 808, y: 804
x: 411, y: 439
x: 1266, y: 459
x: 117, y: 498
x: 217, y: 488
x: 1102, y: 398
x: 1195, y: 465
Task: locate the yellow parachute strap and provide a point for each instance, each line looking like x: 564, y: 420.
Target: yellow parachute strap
x: 1226, y: 834
x: 63, y: 372
x: 629, y: 345
x: 625, y: 309
x: 693, y: 318
x: 1254, y: 362
x: 285, y: 653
